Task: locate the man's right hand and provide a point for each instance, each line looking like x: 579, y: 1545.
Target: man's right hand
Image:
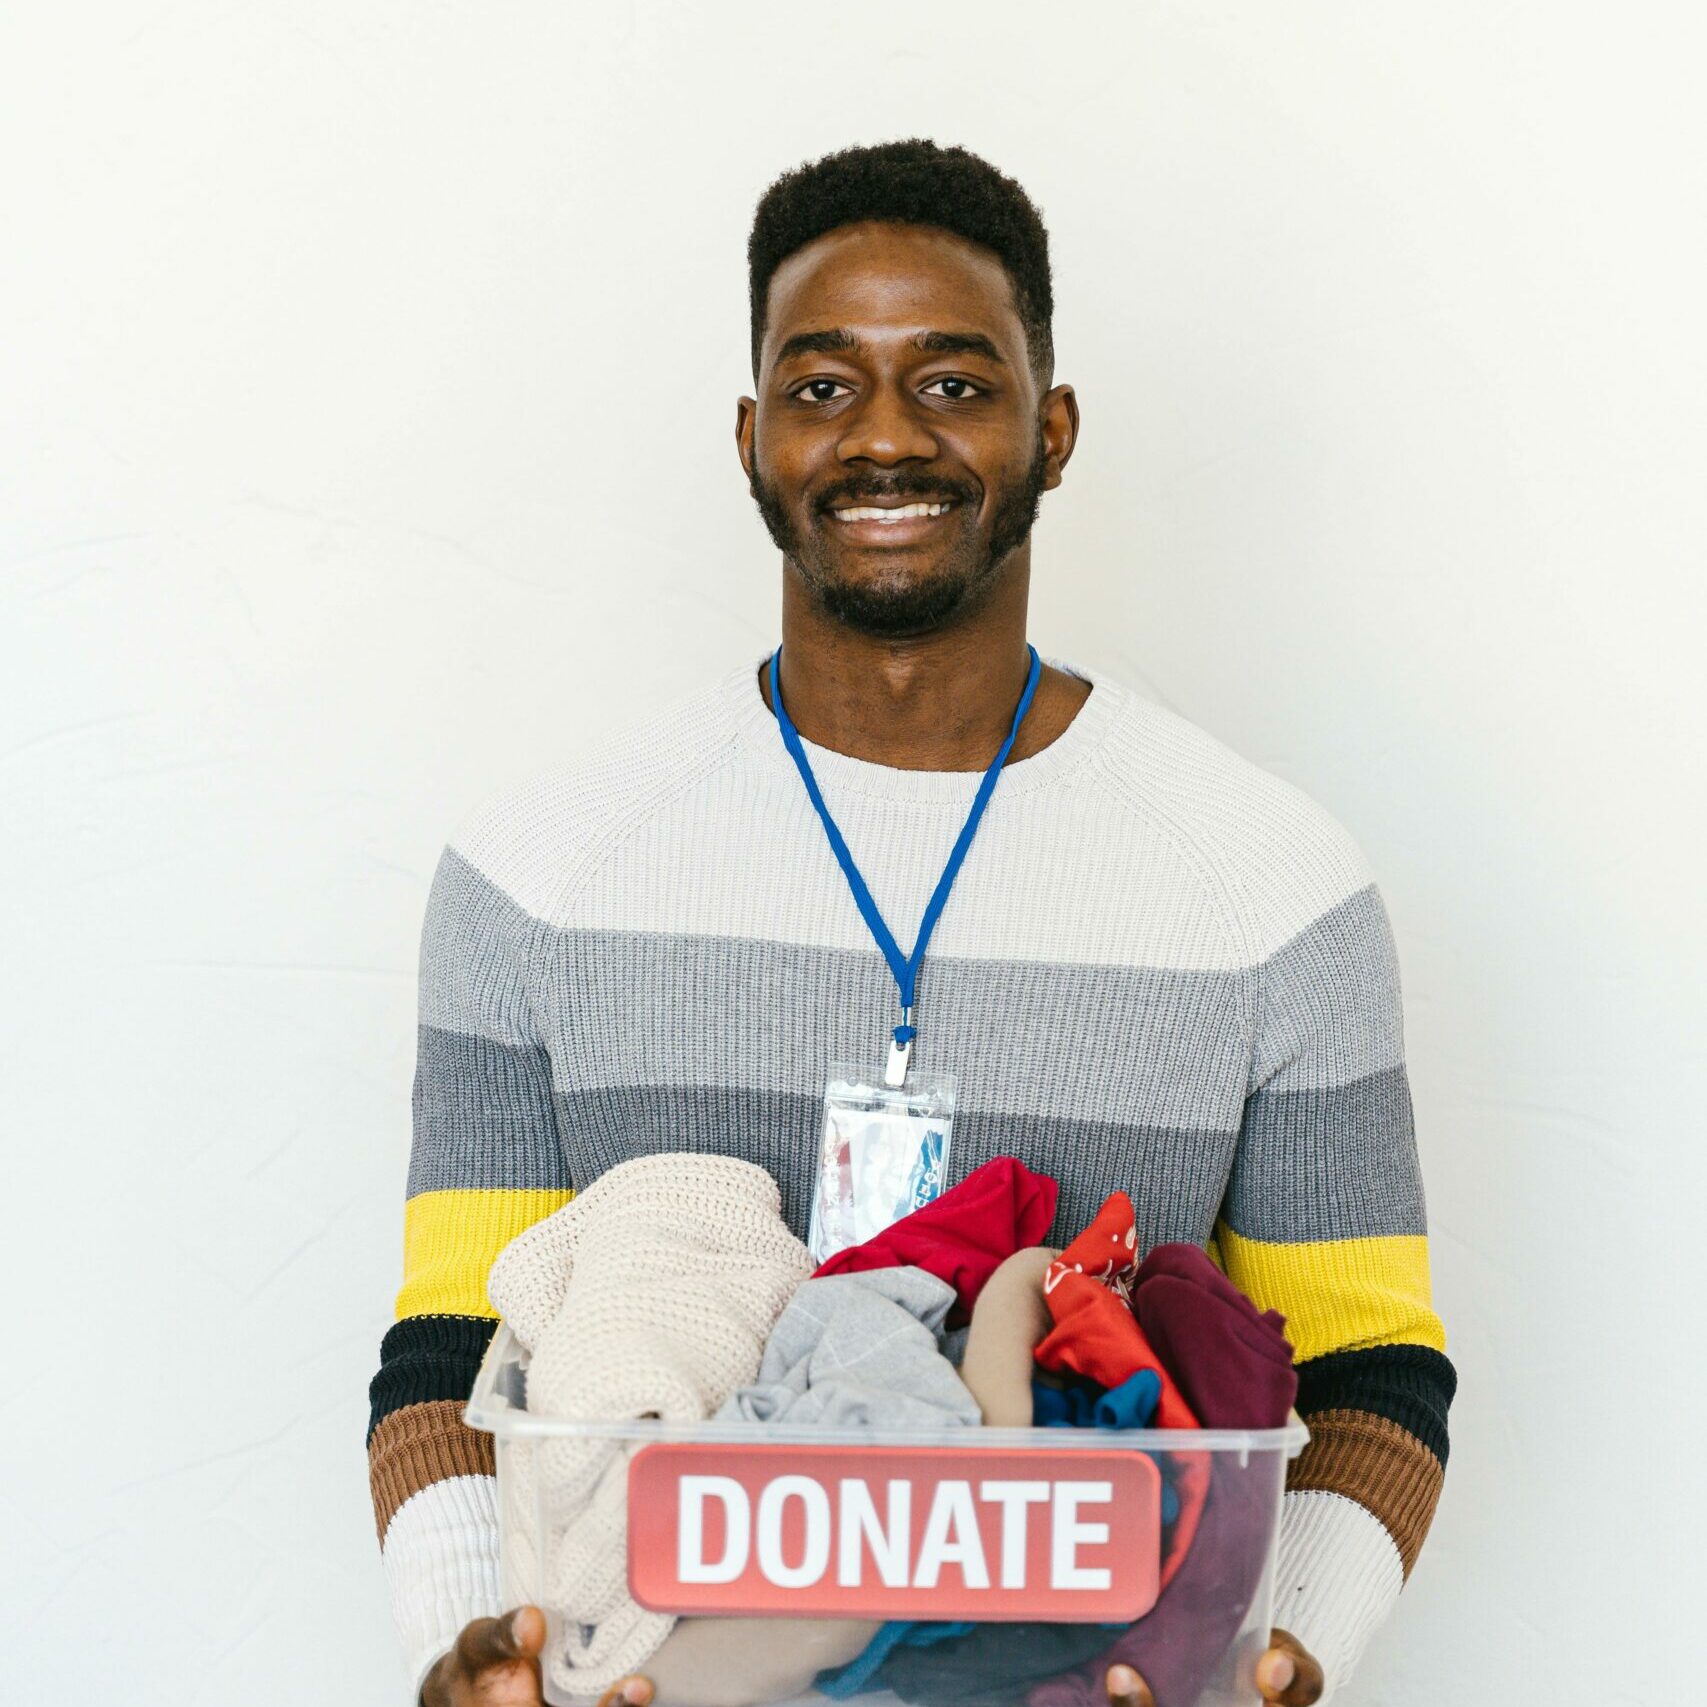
x: 495, y: 1663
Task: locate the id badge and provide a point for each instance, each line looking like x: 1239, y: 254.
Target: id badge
x: 883, y: 1153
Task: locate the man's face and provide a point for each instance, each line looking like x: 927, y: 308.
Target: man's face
x: 894, y: 382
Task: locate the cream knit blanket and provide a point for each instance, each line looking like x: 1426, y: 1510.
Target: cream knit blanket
x: 651, y: 1293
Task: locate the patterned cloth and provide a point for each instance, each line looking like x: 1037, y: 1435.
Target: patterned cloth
x: 1088, y: 1289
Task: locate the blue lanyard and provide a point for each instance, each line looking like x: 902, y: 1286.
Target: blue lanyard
x: 905, y: 968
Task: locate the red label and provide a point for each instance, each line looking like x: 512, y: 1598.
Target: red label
x: 894, y: 1532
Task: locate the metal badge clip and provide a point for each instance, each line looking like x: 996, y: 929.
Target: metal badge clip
x: 895, y: 1074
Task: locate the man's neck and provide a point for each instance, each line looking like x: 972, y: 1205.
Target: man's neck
x: 938, y: 702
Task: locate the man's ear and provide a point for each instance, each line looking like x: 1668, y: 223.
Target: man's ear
x: 1058, y: 415
x: 746, y: 414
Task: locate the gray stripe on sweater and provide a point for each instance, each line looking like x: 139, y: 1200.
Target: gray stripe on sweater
x: 1117, y: 1076
x: 483, y: 1117
x: 470, y: 960
x: 1176, y: 1179
x: 1157, y: 1048
x: 1338, y: 1163
x: 1330, y: 1001
x: 657, y: 1007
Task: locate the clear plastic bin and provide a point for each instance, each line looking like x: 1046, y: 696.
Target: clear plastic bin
x: 1025, y: 1528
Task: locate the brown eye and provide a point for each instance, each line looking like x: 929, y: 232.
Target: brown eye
x: 820, y: 390
x: 958, y: 388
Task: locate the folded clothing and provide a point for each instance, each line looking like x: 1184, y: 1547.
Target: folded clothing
x: 964, y: 1235
x: 649, y: 1294
x: 1088, y: 1290
x: 1232, y: 1361
x: 1179, y: 1327
x: 1234, y: 1364
x: 859, y: 1350
x: 1179, y: 1644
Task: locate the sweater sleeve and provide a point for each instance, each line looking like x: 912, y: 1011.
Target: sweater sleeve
x: 485, y: 1162
x: 1324, y: 1220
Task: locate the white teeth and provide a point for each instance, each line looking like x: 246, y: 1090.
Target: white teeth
x: 905, y: 512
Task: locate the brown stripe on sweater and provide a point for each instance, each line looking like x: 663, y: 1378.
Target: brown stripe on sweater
x: 417, y: 1446
x: 1385, y: 1468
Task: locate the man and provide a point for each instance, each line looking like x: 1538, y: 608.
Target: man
x: 1159, y: 967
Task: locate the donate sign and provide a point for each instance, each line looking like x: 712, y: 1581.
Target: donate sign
x: 894, y: 1532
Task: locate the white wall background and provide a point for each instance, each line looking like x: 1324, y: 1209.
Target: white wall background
x: 367, y: 379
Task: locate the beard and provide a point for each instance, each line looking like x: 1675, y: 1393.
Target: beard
x: 900, y: 602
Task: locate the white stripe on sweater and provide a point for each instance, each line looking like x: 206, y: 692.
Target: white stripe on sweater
x: 1134, y: 839
x: 441, y: 1560
x: 1337, y: 1577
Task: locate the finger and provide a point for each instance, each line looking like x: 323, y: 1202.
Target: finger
x: 1126, y: 1688
x: 631, y: 1691
x: 1309, y: 1681
x: 1287, y: 1675
x: 519, y: 1635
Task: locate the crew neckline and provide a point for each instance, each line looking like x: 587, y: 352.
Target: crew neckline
x: 840, y: 772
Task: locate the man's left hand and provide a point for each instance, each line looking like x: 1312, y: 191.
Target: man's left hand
x: 1286, y: 1676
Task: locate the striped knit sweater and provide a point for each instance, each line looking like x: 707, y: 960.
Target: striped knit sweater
x: 1161, y: 968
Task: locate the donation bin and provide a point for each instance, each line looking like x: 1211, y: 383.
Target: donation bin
x: 1005, y: 1567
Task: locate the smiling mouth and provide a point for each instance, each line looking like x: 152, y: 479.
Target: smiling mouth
x: 890, y: 514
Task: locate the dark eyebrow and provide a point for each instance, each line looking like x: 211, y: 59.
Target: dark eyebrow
x: 958, y: 344
x: 837, y: 341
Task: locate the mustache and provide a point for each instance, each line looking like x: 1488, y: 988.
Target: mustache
x: 904, y: 483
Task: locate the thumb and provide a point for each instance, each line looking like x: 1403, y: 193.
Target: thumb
x: 1125, y: 1688
x: 502, y: 1647
x: 523, y: 1632
x: 1288, y: 1674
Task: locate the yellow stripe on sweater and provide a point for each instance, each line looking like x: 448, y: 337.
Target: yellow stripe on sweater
x: 1338, y: 1294
x: 450, y: 1239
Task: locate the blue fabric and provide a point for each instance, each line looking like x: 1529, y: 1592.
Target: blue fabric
x: 1061, y: 1407
x: 843, y: 1681
x: 1170, y: 1500
x: 1130, y: 1405
x: 905, y: 967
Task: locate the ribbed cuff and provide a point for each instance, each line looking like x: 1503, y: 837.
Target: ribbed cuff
x: 1412, y: 1385
x: 1375, y: 1464
x: 1337, y: 1577
x: 441, y: 1560
x: 423, y: 1358
x: 420, y: 1445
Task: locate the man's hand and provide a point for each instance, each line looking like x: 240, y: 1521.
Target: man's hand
x: 495, y: 1663
x: 1286, y: 1676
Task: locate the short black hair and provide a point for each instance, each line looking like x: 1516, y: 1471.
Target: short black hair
x: 912, y: 182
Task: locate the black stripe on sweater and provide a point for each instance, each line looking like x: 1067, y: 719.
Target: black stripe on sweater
x: 1411, y: 1385
x: 427, y: 1357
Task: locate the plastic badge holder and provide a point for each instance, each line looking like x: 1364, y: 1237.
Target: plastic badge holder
x: 883, y: 1153
x: 992, y: 1525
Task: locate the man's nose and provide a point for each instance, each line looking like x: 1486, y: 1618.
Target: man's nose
x: 886, y: 428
